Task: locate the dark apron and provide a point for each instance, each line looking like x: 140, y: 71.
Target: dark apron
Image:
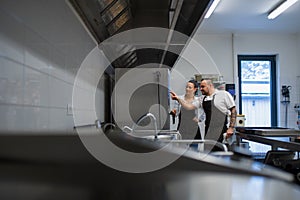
x: 187, y: 127
x: 215, y: 122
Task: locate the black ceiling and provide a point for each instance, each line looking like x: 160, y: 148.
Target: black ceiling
x: 105, y: 18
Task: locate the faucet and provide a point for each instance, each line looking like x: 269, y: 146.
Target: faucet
x: 125, y: 128
x: 144, y: 117
x: 98, y: 124
x: 109, y: 124
x: 103, y: 125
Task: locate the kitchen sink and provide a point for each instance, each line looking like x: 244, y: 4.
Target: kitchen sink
x: 161, y: 134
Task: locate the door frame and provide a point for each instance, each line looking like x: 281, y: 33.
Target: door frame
x: 273, y: 82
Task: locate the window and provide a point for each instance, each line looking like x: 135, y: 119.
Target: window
x: 257, y: 90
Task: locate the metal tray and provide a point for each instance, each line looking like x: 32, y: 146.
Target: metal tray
x: 269, y: 131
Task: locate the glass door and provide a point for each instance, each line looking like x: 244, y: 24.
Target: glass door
x: 257, y: 90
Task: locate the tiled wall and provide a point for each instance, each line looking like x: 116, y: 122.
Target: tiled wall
x: 42, y: 45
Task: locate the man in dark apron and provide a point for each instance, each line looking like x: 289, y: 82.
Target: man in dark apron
x: 215, y: 124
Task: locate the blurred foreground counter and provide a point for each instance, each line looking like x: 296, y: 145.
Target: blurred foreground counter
x: 58, y: 166
x: 284, y: 149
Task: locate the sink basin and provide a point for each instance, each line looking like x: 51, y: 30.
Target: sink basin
x: 160, y: 137
x: 162, y: 134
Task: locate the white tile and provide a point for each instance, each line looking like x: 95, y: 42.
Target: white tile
x: 11, y: 118
x: 36, y: 119
x: 59, y: 92
x: 11, y: 82
x: 36, y: 50
x: 36, y: 86
x: 46, y: 43
x: 20, y: 118
x: 57, y: 64
x: 10, y: 49
x: 57, y: 73
x: 36, y: 61
x: 11, y: 38
x: 59, y: 120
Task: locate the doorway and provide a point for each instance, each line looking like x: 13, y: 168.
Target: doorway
x: 257, y: 89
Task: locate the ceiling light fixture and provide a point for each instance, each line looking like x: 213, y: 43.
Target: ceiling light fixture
x: 281, y: 8
x: 212, y: 8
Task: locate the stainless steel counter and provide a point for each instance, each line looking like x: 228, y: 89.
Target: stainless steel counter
x: 211, y: 186
x: 269, y: 131
x: 270, y: 139
x: 57, y: 166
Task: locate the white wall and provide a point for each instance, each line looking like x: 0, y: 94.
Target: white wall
x: 285, y: 46
x: 219, y: 47
x: 42, y: 45
x: 224, y: 48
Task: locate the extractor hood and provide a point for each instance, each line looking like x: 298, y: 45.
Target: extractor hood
x: 105, y: 18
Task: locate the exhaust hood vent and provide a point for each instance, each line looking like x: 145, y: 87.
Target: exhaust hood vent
x: 118, y: 22
x: 114, y: 13
x: 104, y: 3
x: 104, y: 18
x: 109, y: 14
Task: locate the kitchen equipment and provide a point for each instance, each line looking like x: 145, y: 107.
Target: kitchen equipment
x: 240, y: 120
x: 268, y: 131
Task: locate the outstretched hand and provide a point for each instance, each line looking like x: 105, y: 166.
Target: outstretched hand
x: 174, y: 95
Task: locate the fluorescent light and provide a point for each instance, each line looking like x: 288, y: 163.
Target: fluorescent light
x: 212, y: 8
x: 281, y: 8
